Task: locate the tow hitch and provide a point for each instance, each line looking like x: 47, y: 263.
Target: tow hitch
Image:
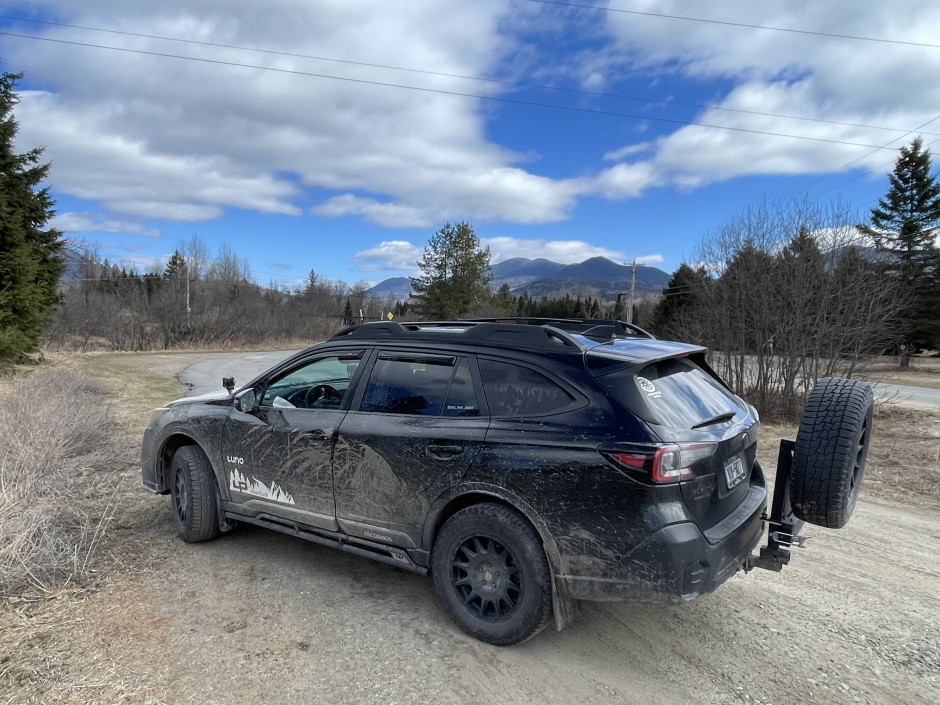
x: 783, y: 527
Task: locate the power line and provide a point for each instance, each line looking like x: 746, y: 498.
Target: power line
x: 500, y: 99
x: 855, y: 161
x: 498, y: 81
x: 830, y: 35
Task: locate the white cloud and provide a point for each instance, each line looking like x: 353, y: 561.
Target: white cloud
x: 402, y: 255
x: 143, y: 263
x: 783, y: 73
x: 393, y: 255
x: 77, y: 223
x: 130, y: 176
x: 649, y: 260
x: 170, y: 139
x: 562, y: 251
x: 184, y: 140
x: 392, y: 215
x: 627, y: 151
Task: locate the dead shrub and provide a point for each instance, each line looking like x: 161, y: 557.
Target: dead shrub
x: 57, y: 446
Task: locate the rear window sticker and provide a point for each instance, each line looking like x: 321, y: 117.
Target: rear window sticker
x: 649, y: 388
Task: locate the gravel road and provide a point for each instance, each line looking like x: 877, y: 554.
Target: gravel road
x: 260, y: 617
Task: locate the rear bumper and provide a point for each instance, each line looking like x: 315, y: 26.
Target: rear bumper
x: 679, y: 562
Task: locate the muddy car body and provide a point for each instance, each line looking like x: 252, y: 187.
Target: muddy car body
x: 525, y: 465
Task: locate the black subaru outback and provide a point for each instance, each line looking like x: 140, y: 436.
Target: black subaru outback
x: 525, y: 464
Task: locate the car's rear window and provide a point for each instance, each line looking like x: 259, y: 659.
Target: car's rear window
x: 676, y: 393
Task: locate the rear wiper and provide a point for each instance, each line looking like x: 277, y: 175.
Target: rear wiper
x: 716, y: 419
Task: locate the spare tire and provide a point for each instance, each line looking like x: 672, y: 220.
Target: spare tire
x: 830, y: 453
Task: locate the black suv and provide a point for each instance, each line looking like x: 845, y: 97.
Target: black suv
x: 525, y: 463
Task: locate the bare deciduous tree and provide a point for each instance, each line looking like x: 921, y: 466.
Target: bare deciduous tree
x: 793, y: 295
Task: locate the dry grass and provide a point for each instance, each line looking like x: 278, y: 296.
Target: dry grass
x: 903, y: 461
x: 924, y: 371
x: 138, y: 390
x: 85, y: 647
x: 75, y: 624
x: 58, y: 451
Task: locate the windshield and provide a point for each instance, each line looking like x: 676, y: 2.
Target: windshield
x: 674, y: 392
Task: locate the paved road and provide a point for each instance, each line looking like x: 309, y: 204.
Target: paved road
x: 918, y: 395
x: 206, y: 376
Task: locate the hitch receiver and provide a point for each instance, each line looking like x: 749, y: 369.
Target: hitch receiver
x: 784, y: 527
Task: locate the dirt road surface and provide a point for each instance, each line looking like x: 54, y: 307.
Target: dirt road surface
x: 260, y: 617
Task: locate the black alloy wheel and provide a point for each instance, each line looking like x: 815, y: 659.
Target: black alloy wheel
x: 491, y: 574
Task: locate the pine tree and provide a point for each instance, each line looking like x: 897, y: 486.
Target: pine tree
x: 504, y: 301
x: 30, y: 259
x: 905, y: 226
x: 175, y: 266
x: 455, y: 274
x: 678, y: 302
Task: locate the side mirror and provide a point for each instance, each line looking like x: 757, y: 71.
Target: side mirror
x: 246, y: 401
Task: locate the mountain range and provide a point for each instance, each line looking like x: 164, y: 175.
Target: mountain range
x: 597, y: 277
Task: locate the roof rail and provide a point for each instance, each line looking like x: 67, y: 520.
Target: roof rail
x: 471, y: 331
x: 600, y: 329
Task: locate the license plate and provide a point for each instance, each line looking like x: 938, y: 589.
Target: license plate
x: 734, y: 471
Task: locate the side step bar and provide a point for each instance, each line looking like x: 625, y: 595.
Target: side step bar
x: 360, y: 547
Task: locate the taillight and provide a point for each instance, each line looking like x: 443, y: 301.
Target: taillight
x: 664, y: 463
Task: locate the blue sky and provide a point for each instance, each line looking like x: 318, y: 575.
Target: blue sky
x: 338, y: 135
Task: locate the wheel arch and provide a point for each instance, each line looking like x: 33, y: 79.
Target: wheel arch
x: 458, y: 499
x: 168, y: 448
x: 563, y: 607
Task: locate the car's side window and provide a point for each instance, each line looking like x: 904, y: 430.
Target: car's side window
x: 514, y: 390
x: 408, y: 385
x: 462, y: 397
x: 319, y: 384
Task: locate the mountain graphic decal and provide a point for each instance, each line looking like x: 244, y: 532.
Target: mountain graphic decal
x: 240, y: 483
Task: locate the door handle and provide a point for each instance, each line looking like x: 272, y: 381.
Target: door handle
x: 444, y: 451
x: 316, y: 438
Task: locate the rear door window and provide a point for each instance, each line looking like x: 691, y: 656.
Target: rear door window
x: 514, y: 390
x: 674, y: 392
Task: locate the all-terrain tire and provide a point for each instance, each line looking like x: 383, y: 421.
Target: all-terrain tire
x: 831, y: 450
x: 193, y: 495
x: 491, y: 574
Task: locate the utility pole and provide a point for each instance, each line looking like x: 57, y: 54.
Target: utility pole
x: 189, y: 326
x: 632, y: 288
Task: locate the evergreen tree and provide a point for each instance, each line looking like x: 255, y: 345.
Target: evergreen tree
x: 455, y: 274
x: 504, y: 301
x: 679, y: 300
x: 175, y: 266
x: 594, y: 311
x: 905, y: 226
x: 30, y: 259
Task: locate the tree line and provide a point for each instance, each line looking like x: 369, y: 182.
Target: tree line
x: 198, y: 301
x: 783, y: 293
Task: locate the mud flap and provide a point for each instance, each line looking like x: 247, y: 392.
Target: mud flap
x: 564, y: 608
